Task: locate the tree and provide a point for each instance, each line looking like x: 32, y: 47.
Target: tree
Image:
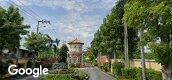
x: 154, y: 17
x: 159, y: 24
x: 53, y: 44
x: 63, y: 53
x: 89, y: 55
x: 134, y: 16
x: 11, y: 27
x: 109, y: 39
x: 37, y: 42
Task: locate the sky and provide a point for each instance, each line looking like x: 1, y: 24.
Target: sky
x: 69, y: 19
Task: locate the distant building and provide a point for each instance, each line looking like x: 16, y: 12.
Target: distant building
x: 102, y: 59
x: 75, y: 52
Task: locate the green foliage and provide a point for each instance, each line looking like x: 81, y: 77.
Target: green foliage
x: 44, y: 55
x: 79, y: 75
x: 153, y: 75
x: 63, y: 53
x: 11, y: 27
x: 155, y: 18
x: 3, y: 67
x: 150, y: 56
x: 89, y: 56
x: 36, y: 42
x: 163, y: 53
x: 135, y: 11
x: 135, y: 74
x: 77, y: 65
x: 104, y: 67
x: 132, y: 73
x: 109, y: 39
x: 73, y: 75
x: 117, y: 68
x: 56, y: 77
x: 29, y: 64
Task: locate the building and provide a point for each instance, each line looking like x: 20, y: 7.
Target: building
x: 75, y: 52
x: 102, y: 59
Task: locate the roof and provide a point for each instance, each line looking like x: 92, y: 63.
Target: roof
x: 102, y: 59
x: 75, y: 41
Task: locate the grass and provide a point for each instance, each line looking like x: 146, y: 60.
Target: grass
x: 56, y: 77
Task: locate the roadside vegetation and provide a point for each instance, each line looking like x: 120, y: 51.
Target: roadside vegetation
x: 133, y: 25
x: 70, y: 74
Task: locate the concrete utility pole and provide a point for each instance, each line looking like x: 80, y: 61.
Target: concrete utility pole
x: 170, y: 39
x: 43, y: 22
x: 142, y: 56
x: 114, y: 54
x: 126, y: 45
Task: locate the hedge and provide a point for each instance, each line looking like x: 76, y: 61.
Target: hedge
x: 134, y: 73
x: 117, y: 68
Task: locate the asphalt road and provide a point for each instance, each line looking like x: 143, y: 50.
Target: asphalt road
x: 97, y: 74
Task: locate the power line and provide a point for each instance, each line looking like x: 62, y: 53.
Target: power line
x: 24, y: 11
x: 30, y: 10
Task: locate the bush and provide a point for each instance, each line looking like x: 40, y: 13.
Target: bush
x: 29, y: 64
x: 21, y: 65
x: 77, y: 65
x: 72, y: 65
x: 153, y: 75
x: 56, y: 77
x: 132, y: 73
x: 70, y: 74
x: 3, y: 68
x: 136, y: 74
x: 95, y: 64
x: 104, y: 67
x: 62, y: 71
x: 79, y: 75
x: 117, y: 68
x: 9, y: 61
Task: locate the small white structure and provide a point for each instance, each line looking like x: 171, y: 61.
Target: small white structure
x: 75, y: 52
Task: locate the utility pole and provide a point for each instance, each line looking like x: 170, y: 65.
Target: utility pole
x: 142, y: 55
x: 126, y: 45
x: 43, y: 22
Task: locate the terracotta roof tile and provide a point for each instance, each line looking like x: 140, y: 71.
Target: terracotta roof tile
x: 75, y: 41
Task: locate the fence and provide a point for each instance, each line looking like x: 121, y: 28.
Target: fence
x: 137, y: 63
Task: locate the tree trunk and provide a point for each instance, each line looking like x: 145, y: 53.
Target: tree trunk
x: 17, y: 56
x: 126, y: 45
x: 167, y: 72
x: 142, y: 55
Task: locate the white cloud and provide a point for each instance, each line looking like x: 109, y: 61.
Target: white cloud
x: 72, y: 5
x: 74, y: 23
x: 108, y: 4
x: 69, y: 5
x: 79, y: 25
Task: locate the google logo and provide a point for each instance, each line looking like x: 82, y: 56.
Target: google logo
x: 28, y: 71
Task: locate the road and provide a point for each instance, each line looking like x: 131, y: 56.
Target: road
x: 97, y: 74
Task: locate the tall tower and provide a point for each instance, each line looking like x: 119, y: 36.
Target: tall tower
x: 75, y: 52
